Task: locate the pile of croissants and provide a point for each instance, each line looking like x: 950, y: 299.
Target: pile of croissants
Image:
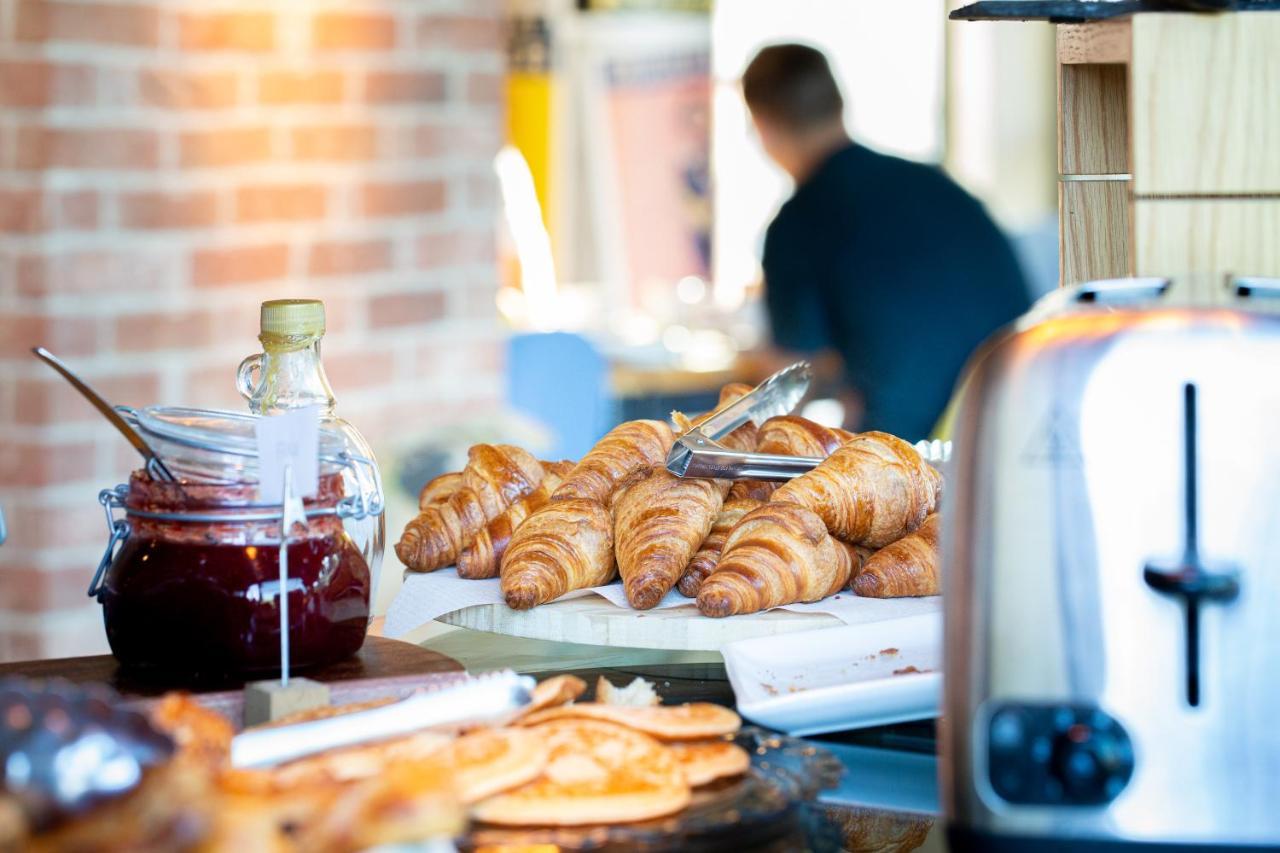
x: 864, y: 518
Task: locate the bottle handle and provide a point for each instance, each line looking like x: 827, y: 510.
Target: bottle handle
x: 245, y: 375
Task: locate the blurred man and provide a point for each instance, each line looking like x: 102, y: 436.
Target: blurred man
x: 884, y: 262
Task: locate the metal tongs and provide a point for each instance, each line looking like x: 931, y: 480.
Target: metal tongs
x: 697, y: 453
x: 494, y: 698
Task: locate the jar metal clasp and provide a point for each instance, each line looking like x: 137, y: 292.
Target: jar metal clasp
x: 111, y: 499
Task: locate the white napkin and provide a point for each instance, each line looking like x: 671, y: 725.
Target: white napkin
x: 424, y: 597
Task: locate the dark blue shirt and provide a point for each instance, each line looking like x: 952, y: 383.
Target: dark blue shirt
x: 896, y: 268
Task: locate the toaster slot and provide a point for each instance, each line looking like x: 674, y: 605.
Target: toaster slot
x: 1114, y: 291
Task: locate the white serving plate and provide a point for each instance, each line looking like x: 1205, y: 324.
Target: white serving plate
x: 837, y: 679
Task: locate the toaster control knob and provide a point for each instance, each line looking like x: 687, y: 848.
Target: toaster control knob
x: 1092, y: 765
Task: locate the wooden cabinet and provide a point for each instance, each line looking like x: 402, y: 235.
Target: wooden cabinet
x: 1169, y: 145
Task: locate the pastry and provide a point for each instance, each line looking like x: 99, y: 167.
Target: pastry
x: 440, y: 489
x: 597, y: 772
x: 483, y: 556
x: 488, y: 761
x: 873, y: 490
x: 566, y: 545
x: 705, y: 761
x: 666, y: 722
x: 904, y: 568
x: 625, y: 449
x: 495, y: 476
x: 779, y: 553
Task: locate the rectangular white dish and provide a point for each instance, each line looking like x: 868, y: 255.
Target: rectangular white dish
x: 836, y: 679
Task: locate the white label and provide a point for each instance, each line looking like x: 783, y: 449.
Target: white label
x: 289, y: 439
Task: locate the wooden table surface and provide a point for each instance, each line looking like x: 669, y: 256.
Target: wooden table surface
x: 379, y: 658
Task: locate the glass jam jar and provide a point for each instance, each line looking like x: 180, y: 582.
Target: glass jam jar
x: 190, y: 581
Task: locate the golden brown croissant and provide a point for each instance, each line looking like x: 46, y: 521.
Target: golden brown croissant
x: 904, y: 568
x: 482, y: 557
x: 789, y: 435
x: 660, y: 521
x: 495, y: 476
x: 566, y: 545
x: 440, y: 489
x: 786, y: 435
x: 873, y: 490
x: 626, y: 448
x: 708, y: 555
x: 779, y: 553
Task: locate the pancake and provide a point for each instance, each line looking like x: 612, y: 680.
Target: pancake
x: 556, y: 690
x: 489, y: 761
x: 691, y: 721
x: 363, y: 761
x: 705, y: 761
x: 597, y: 772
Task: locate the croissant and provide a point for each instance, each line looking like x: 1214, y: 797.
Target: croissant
x: 495, y: 475
x: 779, y: 553
x: 904, y: 568
x: 708, y: 555
x: 873, y: 490
x: 566, y: 545
x: 789, y: 435
x: 440, y: 489
x: 481, y: 558
x: 660, y: 521
x: 785, y: 435
x: 623, y: 450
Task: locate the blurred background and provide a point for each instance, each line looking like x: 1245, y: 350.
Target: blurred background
x: 527, y: 220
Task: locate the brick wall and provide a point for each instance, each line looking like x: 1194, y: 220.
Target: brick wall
x: 167, y: 165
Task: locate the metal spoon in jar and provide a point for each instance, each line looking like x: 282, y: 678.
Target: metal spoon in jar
x: 155, y: 466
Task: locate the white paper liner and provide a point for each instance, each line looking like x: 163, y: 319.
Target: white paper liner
x: 424, y: 597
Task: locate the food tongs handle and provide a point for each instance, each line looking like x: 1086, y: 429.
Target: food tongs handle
x: 697, y: 453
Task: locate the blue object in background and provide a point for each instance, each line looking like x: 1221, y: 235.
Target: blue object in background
x: 562, y: 381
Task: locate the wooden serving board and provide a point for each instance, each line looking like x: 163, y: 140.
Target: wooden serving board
x: 594, y: 621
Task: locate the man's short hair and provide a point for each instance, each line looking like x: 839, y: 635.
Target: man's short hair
x: 791, y: 86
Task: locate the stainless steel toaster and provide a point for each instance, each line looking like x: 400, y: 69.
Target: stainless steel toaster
x: 1111, y: 562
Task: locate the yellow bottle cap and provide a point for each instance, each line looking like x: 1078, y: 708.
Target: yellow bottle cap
x: 290, y: 317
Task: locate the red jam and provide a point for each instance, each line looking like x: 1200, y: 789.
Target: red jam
x: 201, y: 598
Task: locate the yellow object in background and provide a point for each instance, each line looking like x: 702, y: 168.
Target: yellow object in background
x: 529, y: 129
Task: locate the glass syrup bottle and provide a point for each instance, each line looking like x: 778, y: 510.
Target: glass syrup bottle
x: 289, y: 375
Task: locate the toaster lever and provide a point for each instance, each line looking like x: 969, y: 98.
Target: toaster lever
x: 1190, y: 578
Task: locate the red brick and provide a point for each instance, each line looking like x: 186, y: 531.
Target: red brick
x: 179, y: 90
x: 113, y: 148
x: 438, y: 140
x: 216, y: 385
x: 94, y: 272
x: 453, y: 248
x: 167, y: 330
x: 49, y: 399
x: 405, y: 87
x: 24, y: 464
x: 21, y: 211
x: 20, y: 331
x: 358, y: 369
x: 168, y: 210
x: 48, y: 20
x: 237, y: 31
x: 349, y: 257
x: 30, y: 590
x: 225, y: 147
x: 42, y: 84
x: 403, y: 198
x: 406, y: 309
x: 78, y: 210
x: 461, y: 33
x: 484, y: 88
x: 335, y: 142
x: 353, y: 31
x: 280, y: 202
x: 21, y: 645
x: 238, y: 265
x: 79, y: 522
x: 289, y: 87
